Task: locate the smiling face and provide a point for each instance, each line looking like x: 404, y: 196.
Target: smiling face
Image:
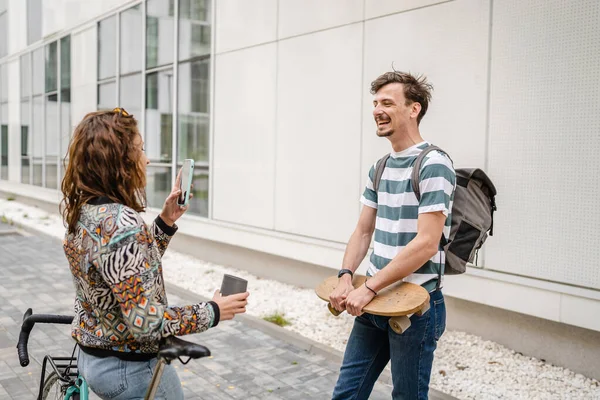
x: 392, y: 112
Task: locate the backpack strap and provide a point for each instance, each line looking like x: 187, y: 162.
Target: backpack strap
x: 417, y: 168
x: 415, y: 178
x: 380, y: 166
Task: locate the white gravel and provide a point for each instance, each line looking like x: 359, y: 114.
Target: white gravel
x: 465, y: 366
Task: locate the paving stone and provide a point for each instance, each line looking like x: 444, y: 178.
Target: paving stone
x: 245, y: 364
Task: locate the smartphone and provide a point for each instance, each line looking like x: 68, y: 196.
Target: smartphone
x: 187, y: 173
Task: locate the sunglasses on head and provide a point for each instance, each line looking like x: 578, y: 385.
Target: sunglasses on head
x: 121, y: 112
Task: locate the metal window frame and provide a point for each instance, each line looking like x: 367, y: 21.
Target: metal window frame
x: 174, y: 67
x: 30, y: 125
x: 175, y: 119
x: 63, y: 157
x: 5, y: 12
x: 211, y: 106
x: 45, y: 97
x: 59, y: 107
x: 4, y: 65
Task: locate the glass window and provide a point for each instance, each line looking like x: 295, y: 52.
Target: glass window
x: 4, y: 141
x: 158, y: 185
x: 194, y: 28
x: 159, y: 117
x: 34, y: 20
x: 25, y: 76
x: 4, y: 152
x: 159, y: 34
x: 107, y: 47
x: 193, y: 110
x: 65, y: 62
x: 107, y: 96
x: 51, y: 132
x: 65, y: 95
x: 65, y: 125
x: 38, y: 137
x: 38, y: 71
x: 192, y: 139
x: 131, y: 40
x: 131, y: 94
x: 3, y: 84
x: 25, y: 142
x: 199, y: 203
x: 197, y: 10
x: 3, y: 32
x: 51, y: 67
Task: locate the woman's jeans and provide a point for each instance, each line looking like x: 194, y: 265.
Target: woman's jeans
x: 373, y: 343
x: 113, y: 378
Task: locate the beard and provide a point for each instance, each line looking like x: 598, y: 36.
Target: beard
x: 385, y: 133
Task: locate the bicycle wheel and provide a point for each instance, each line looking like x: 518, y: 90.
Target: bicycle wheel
x: 53, y: 388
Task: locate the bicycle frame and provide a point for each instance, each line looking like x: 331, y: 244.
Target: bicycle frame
x: 156, y: 376
x: 63, y: 377
x: 174, y: 349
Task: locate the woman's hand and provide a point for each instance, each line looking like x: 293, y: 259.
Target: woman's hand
x: 172, y: 211
x: 231, y: 305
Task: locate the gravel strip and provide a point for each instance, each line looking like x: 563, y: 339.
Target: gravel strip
x: 466, y: 366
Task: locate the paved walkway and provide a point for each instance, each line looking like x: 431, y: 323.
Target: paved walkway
x: 246, y: 364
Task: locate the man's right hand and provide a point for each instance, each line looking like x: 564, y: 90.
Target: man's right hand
x: 337, y: 298
x: 231, y: 305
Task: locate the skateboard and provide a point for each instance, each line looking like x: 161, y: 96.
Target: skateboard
x: 399, y: 301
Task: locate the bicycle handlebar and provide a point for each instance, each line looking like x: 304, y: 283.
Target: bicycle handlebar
x: 29, y: 321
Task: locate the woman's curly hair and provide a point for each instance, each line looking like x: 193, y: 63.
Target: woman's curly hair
x: 103, y: 160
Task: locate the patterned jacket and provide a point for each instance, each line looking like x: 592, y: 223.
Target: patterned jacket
x: 121, y: 304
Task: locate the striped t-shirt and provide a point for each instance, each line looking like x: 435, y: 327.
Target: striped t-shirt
x: 398, y: 208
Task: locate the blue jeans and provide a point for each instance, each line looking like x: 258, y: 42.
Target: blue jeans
x: 373, y: 343
x: 116, y: 379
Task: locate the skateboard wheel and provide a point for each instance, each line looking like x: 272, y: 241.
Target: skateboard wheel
x: 423, y: 309
x: 333, y: 310
x: 399, y: 324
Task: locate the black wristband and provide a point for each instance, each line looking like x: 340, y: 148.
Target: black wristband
x: 374, y: 292
x: 168, y: 230
x: 345, y: 271
x: 217, y: 313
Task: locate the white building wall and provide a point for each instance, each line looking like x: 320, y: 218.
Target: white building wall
x: 324, y: 147
x: 17, y: 25
x: 516, y: 93
x: 14, y: 122
x: 544, y: 140
x: 84, y: 73
x: 245, y: 146
x: 318, y: 133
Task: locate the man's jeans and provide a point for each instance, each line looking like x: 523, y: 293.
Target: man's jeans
x: 373, y: 342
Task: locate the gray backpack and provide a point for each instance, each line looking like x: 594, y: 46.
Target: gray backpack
x: 472, y: 211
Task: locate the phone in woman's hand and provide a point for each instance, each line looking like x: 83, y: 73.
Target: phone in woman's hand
x: 187, y: 173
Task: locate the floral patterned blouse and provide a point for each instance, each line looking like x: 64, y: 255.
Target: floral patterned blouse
x: 120, y: 305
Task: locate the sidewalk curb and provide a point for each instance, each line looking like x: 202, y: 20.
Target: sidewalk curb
x: 293, y: 338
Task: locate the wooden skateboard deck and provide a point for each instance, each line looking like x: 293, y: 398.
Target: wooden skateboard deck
x: 397, y: 301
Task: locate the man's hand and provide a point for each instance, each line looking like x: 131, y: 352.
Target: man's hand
x: 358, y: 299
x: 337, y: 298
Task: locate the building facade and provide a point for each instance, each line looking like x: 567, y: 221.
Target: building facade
x: 271, y: 98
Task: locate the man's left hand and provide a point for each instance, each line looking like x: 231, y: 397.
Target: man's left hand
x: 357, y: 300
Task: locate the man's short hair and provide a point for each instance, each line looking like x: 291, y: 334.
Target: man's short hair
x: 416, y: 88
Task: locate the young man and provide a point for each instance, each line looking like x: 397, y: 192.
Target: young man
x: 406, y: 247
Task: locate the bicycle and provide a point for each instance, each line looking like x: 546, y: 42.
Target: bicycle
x: 64, y: 381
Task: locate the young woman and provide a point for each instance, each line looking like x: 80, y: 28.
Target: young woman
x: 115, y: 259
